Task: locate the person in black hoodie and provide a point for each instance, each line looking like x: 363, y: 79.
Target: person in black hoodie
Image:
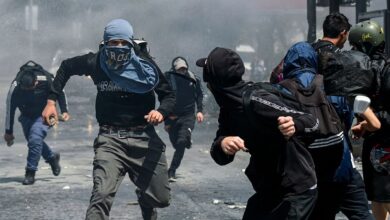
x: 280, y: 169
x: 126, y: 81
x: 180, y: 123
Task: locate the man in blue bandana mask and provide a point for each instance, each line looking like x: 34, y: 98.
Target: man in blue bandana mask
x: 126, y: 81
x: 120, y: 63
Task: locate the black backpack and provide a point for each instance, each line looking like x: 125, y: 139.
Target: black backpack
x: 32, y: 67
x: 346, y: 73
x: 315, y: 102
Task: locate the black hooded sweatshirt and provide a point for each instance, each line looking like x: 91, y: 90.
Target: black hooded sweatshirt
x: 276, y: 166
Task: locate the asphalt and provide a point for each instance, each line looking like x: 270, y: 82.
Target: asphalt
x: 203, y: 191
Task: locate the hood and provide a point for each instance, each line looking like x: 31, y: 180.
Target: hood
x: 222, y: 70
x: 301, y: 57
x: 223, y: 67
x: 179, y: 62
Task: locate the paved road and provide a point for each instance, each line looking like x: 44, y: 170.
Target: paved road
x: 200, y: 182
x: 204, y: 190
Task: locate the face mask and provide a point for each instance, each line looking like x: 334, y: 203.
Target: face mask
x: 117, y: 56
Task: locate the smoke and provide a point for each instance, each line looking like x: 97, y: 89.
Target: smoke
x: 172, y: 28
x: 191, y: 29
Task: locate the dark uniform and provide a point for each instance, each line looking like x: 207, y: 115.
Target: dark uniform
x: 377, y: 181
x: 180, y: 123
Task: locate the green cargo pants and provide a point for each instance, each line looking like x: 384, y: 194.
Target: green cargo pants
x: 142, y: 156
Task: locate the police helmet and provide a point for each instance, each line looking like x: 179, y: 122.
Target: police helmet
x: 366, y: 35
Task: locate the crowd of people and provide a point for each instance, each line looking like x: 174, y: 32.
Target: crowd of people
x: 296, y: 127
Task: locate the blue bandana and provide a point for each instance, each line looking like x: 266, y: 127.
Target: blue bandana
x: 118, y: 29
x: 117, y: 56
x: 120, y: 63
x: 138, y: 76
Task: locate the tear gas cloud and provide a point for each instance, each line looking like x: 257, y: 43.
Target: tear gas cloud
x: 192, y: 28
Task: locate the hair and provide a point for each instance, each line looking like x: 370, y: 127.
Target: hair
x: 334, y: 24
x: 28, y: 80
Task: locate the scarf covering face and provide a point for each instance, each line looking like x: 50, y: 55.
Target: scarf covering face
x: 122, y: 65
x: 117, y: 56
x: 223, y: 70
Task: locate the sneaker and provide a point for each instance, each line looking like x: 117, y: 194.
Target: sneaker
x: 29, y: 177
x: 171, y: 175
x: 55, y: 164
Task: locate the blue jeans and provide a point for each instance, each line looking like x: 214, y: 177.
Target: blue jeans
x: 35, y: 132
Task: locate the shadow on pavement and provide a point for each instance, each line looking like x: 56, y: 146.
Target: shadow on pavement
x: 11, y: 179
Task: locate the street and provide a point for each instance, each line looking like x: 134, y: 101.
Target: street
x: 203, y: 189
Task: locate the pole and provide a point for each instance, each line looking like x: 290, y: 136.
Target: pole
x: 334, y: 6
x: 31, y: 30
x: 387, y: 28
x: 311, y: 20
x: 361, y: 7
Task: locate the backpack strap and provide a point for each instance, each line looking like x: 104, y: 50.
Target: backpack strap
x: 321, y: 44
x: 246, y: 101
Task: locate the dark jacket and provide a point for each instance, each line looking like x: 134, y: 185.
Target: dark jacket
x: 380, y: 102
x: 188, y: 91
x: 114, y: 106
x: 31, y: 102
x: 276, y: 165
x: 341, y: 103
x: 344, y: 110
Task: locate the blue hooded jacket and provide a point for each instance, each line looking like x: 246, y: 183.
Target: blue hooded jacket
x: 301, y: 63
